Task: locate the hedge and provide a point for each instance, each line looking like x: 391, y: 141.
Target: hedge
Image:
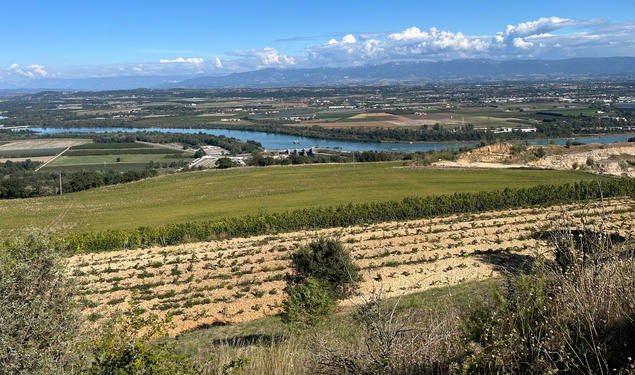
x: 344, y: 215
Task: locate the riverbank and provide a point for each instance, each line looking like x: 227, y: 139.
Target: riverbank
x: 274, y: 141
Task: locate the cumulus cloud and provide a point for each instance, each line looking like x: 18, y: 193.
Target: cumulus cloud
x: 191, y: 60
x: 550, y: 37
x: 30, y: 71
x: 261, y: 58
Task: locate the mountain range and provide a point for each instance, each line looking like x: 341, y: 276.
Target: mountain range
x: 388, y: 73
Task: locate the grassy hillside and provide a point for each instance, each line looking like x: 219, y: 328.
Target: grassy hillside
x: 236, y: 192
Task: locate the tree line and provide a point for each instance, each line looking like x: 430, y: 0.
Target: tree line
x: 344, y: 215
x: 19, y: 179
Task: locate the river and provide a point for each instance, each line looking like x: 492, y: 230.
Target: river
x: 282, y: 141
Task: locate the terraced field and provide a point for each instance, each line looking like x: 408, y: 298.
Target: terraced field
x: 241, y: 279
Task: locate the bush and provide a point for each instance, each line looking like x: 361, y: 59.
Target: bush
x: 128, y: 345
x: 390, y: 342
x: 38, y: 318
x: 328, y: 261
x: 307, y: 304
x: 539, y: 152
x: 574, y: 315
x: 344, y: 215
x: 224, y: 163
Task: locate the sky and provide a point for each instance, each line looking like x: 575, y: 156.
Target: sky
x: 75, y: 39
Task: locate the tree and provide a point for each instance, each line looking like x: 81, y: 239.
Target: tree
x: 307, y: 304
x: 199, y: 153
x: 224, y: 163
x: 330, y: 262
x: 38, y: 318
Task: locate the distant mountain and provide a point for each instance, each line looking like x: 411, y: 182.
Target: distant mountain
x: 413, y: 72
x: 96, y: 84
x: 389, y: 73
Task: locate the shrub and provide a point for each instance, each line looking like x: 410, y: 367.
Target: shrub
x: 128, y: 345
x: 573, y: 315
x: 539, y: 152
x: 328, y: 261
x: 345, y: 215
x: 307, y: 304
x: 38, y: 319
x: 390, y: 342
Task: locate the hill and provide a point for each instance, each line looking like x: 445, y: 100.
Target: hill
x: 215, y: 194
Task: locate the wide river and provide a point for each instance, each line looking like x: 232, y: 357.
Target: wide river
x: 282, y: 141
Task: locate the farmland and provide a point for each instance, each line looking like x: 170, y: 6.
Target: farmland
x: 119, y: 156
x: 229, y: 193
x: 36, y: 149
x: 241, y: 279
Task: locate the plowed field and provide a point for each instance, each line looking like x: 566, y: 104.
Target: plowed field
x: 242, y: 279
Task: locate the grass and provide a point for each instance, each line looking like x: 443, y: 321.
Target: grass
x: 119, y: 167
x: 108, y: 159
x: 121, y: 145
x: 203, y: 342
x: 236, y: 192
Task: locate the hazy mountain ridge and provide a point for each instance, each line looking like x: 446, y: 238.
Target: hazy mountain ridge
x: 393, y: 72
x: 420, y: 72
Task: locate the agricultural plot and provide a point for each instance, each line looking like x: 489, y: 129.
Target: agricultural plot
x: 36, y: 149
x: 241, y: 279
x: 120, y: 156
x: 206, y: 195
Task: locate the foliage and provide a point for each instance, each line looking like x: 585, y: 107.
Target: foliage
x: 388, y: 341
x: 308, y: 303
x: 328, y: 261
x: 129, y: 344
x: 38, y: 319
x: 199, y: 153
x: 345, y: 215
x: 224, y: 163
x: 539, y: 152
x: 574, y: 315
x: 30, y: 184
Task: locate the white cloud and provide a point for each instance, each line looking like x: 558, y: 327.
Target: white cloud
x: 522, y: 44
x: 548, y: 38
x: 533, y: 39
x: 192, y: 60
x: 261, y: 58
x: 30, y: 71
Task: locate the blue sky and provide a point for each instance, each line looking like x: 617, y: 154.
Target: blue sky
x: 89, y: 38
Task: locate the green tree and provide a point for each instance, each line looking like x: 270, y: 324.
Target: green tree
x: 224, y: 163
x: 199, y: 153
x: 328, y: 261
x: 38, y: 318
x: 307, y: 304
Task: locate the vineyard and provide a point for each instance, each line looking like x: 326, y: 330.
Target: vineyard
x: 240, y: 279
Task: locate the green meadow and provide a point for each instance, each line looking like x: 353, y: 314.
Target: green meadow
x: 204, y: 195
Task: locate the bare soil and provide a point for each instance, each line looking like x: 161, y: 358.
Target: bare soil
x: 241, y: 279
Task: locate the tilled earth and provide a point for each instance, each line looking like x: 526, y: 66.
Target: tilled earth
x: 240, y: 279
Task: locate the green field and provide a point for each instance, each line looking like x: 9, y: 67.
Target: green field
x: 102, y: 156
x: 112, y: 159
x: 235, y: 192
